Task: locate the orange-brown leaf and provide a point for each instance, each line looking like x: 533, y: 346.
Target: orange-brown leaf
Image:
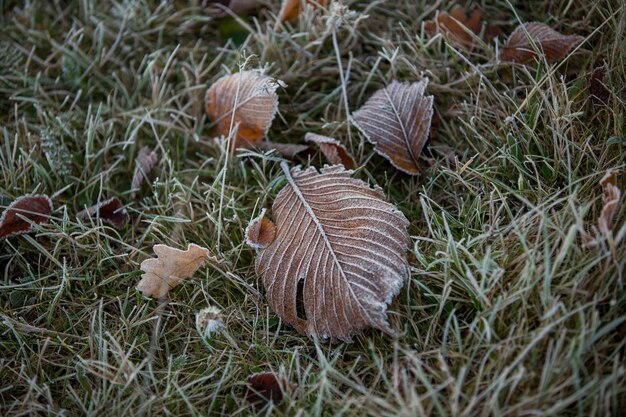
x: 526, y: 39
x: 18, y: 217
x: 338, y: 256
x: 261, y: 232
x: 334, y: 151
x: 458, y: 26
x: 290, y: 9
x: 397, y: 120
x: 111, y: 211
x: 170, y: 267
x: 611, y: 196
x: 247, y: 102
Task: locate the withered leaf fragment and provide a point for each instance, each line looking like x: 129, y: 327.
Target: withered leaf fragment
x: 290, y: 9
x: 397, y: 119
x: 526, y: 38
x: 611, y: 196
x: 145, y: 161
x: 251, y: 97
x: 260, y: 232
x: 264, y: 387
x: 218, y: 8
x: 338, y: 256
x: 334, y: 151
x: 170, y: 267
x: 111, y: 211
x: 458, y: 26
x: 18, y: 217
x: 289, y: 150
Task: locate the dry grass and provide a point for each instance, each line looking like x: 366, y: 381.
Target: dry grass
x: 507, y: 311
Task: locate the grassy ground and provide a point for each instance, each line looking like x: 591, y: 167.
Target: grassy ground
x: 507, y: 312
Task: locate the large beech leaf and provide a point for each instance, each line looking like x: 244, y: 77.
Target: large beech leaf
x: 397, y: 119
x: 526, y: 39
x: 335, y: 257
x: 251, y: 96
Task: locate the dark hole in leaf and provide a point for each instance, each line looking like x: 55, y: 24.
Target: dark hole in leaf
x: 300, y: 311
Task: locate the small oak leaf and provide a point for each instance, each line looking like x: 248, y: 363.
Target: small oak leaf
x: 334, y: 151
x: 397, y: 120
x: 145, y: 161
x: 18, y: 217
x: 111, y: 211
x: 338, y: 255
x: 170, y: 267
x: 611, y: 196
x: 263, y: 388
x: 247, y: 101
x: 526, y: 39
x: 460, y: 26
x: 290, y: 9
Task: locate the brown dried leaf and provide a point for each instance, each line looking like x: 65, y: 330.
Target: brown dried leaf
x: 145, y: 161
x: 263, y: 388
x: 290, y: 9
x: 261, y: 232
x: 252, y: 97
x: 289, y: 150
x: 397, y: 119
x: 111, y: 211
x: 33, y: 208
x: 339, y: 253
x: 459, y: 25
x: 520, y: 47
x: 611, y: 196
x: 334, y: 151
x: 218, y: 8
x: 170, y: 267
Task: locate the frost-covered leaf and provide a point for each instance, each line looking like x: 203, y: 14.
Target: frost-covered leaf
x: 260, y: 232
x: 18, y: 217
x: 289, y: 150
x: 264, y: 387
x: 611, y: 196
x: 397, y: 119
x: 334, y: 151
x: 170, y: 267
x: 338, y: 256
x: 111, y: 211
x: 526, y: 39
x: 219, y: 8
x: 291, y: 9
x: 145, y: 161
x: 247, y: 101
x: 460, y: 26
x: 209, y: 321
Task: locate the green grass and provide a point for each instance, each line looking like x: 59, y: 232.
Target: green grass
x: 507, y: 311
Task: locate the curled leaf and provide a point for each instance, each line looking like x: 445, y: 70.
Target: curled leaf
x: 460, y: 26
x: 338, y: 256
x: 611, y: 196
x: 170, y: 267
x: 111, y: 211
x: 526, y: 39
x: 290, y: 9
x: 145, y: 161
x: 334, y: 151
x: 219, y: 8
x: 261, y: 232
x: 289, y: 150
x: 18, y: 217
x: 263, y: 388
x: 209, y: 321
x: 247, y: 101
x: 397, y: 120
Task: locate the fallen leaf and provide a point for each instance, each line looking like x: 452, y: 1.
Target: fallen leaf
x: 520, y: 47
x: 209, y: 321
x: 290, y: 9
x: 18, y: 217
x: 219, y: 8
x: 460, y: 26
x: 338, y: 256
x: 263, y: 388
x: 111, y: 211
x: 251, y: 97
x: 397, y: 119
x: 170, y: 267
x: 261, y: 232
x: 290, y: 150
x: 145, y: 161
x: 611, y: 196
x: 334, y: 151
